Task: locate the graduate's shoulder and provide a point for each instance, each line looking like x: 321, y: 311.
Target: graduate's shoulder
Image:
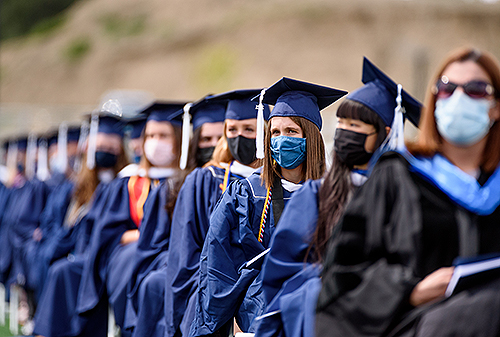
x: 206, y: 173
x: 253, y: 185
x: 391, y: 165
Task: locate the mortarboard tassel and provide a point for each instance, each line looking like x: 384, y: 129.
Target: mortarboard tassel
x: 84, y: 135
x: 259, y: 140
x: 396, y: 139
x: 186, y: 130
x: 91, y: 148
x: 62, y: 147
x: 42, y: 172
x: 31, y: 156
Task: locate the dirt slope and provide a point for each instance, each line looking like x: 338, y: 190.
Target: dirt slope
x: 183, y: 49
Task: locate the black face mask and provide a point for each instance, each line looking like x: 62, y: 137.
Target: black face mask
x: 242, y: 149
x: 350, y: 147
x: 20, y: 168
x: 105, y: 159
x: 203, y: 155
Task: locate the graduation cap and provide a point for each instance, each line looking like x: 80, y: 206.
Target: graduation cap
x: 379, y: 94
x: 240, y: 105
x: 74, y: 133
x: 107, y: 120
x: 22, y: 143
x: 163, y: 111
x: 172, y: 112
x: 52, y: 138
x: 207, y: 111
x: 110, y: 124
x: 203, y: 111
x: 291, y: 97
x: 136, y: 125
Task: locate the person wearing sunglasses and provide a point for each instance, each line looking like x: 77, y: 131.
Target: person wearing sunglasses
x: 390, y: 260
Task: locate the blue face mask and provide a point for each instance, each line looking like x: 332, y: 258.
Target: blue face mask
x: 462, y: 120
x: 289, y: 152
x: 137, y: 159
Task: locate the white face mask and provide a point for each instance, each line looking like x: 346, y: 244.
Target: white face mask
x: 461, y: 119
x: 106, y: 176
x: 159, y: 153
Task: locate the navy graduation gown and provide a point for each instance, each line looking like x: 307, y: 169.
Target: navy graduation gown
x: 108, y: 267
x: 228, y: 287
x: 151, y: 254
x: 290, y: 279
x: 196, y: 200
x: 150, y: 301
x: 8, y: 197
x: 51, y: 222
x: 56, y: 315
x: 28, y: 207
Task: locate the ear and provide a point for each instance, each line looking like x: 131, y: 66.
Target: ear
x: 387, y: 130
x: 495, y: 111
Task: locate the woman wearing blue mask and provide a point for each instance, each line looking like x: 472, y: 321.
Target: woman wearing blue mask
x: 390, y: 261
x: 291, y: 270
x: 242, y: 223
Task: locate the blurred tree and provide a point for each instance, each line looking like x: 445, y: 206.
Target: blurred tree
x: 19, y: 17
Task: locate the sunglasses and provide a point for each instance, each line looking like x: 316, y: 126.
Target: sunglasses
x: 475, y: 89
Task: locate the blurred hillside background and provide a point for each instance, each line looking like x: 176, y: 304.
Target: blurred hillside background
x: 58, y: 57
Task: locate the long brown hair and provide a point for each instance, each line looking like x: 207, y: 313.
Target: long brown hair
x: 314, y: 165
x: 87, y: 180
x: 193, y: 150
x: 337, y: 187
x: 429, y: 141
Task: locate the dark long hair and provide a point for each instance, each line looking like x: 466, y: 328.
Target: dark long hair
x: 337, y: 187
x: 193, y: 149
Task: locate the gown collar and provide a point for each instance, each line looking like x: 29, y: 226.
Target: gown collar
x: 239, y: 169
x: 461, y: 187
x: 289, y: 186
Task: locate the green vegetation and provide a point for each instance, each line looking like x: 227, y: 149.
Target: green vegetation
x: 21, y: 17
x: 77, y: 49
x: 118, y: 26
x: 215, y: 67
x: 5, y: 331
x: 49, y: 25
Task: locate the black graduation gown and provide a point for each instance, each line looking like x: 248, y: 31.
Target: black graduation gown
x: 398, y: 228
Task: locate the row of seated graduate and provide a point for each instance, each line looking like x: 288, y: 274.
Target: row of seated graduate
x: 255, y: 230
